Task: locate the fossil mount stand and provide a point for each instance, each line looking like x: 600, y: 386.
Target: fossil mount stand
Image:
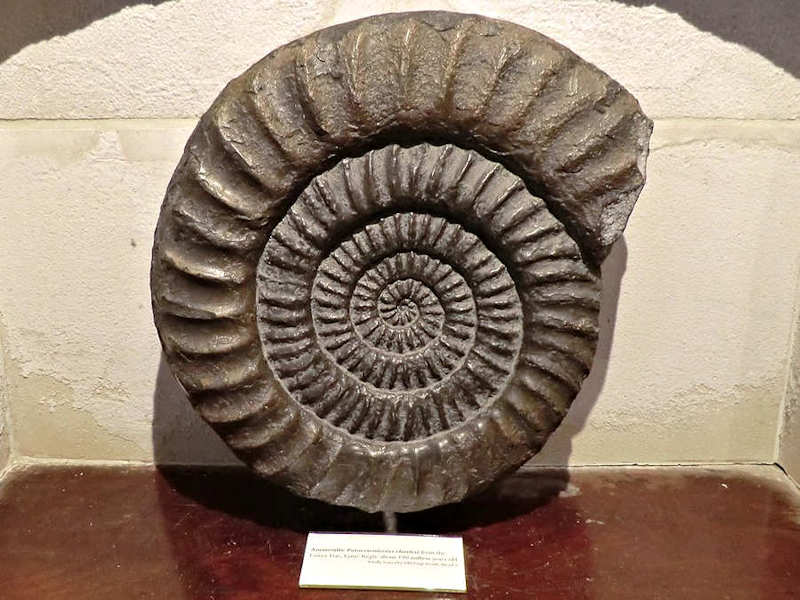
x: 376, y: 268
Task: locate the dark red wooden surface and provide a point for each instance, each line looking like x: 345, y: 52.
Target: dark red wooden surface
x: 117, y: 533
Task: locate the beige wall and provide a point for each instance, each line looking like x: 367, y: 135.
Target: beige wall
x: 789, y: 436
x: 700, y: 293
x: 5, y: 442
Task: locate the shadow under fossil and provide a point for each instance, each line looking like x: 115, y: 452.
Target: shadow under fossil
x: 235, y: 491
x: 232, y: 535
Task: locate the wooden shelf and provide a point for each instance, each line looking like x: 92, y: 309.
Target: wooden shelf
x: 644, y: 533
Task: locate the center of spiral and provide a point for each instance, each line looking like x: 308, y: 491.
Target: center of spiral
x: 397, y: 311
x: 400, y: 302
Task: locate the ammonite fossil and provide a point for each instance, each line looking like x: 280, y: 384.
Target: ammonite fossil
x: 376, y: 269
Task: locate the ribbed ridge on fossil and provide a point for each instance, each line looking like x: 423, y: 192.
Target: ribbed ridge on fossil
x: 499, y: 87
x: 388, y: 326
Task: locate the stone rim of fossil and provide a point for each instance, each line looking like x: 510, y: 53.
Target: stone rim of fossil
x: 410, y: 93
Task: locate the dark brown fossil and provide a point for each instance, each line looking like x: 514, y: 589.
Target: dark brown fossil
x: 376, y: 266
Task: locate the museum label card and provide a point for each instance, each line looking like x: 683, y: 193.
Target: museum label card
x: 389, y: 562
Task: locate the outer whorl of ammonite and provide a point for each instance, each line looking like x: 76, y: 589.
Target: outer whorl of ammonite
x: 376, y: 267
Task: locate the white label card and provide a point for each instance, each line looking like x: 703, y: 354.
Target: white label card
x: 387, y: 562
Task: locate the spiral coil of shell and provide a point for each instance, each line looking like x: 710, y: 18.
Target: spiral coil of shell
x: 376, y: 266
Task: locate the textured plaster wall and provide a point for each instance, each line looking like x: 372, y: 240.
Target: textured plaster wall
x: 5, y: 442
x: 96, y: 102
x: 170, y: 59
x: 789, y: 435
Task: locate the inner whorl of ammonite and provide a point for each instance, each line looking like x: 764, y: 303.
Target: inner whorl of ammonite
x: 386, y: 320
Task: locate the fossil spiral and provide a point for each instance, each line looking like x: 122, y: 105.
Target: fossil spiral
x: 375, y: 271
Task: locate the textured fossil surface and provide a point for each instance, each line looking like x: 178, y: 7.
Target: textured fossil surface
x: 376, y: 267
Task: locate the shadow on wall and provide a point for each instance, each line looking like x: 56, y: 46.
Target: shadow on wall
x: 558, y: 449
x: 180, y: 436
x: 768, y: 28
x: 25, y: 22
